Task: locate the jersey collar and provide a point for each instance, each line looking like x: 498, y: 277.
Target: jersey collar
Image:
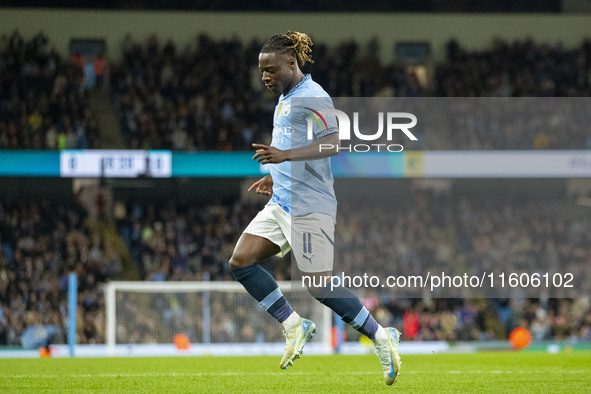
x: 306, y: 78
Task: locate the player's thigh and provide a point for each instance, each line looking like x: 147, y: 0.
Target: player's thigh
x: 270, y: 223
x: 261, y: 239
x: 312, y: 243
x: 251, y: 248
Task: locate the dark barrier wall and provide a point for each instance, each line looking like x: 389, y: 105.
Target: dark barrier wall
x: 472, y: 30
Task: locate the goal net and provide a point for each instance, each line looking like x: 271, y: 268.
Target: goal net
x: 213, y: 315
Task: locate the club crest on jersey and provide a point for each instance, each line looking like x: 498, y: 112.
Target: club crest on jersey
x: 286, y: 110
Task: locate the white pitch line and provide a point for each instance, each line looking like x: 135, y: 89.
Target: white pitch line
x: 172, y: 374
x: 201, y: 374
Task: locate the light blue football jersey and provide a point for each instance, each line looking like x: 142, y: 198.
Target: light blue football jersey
x: 303, y: 187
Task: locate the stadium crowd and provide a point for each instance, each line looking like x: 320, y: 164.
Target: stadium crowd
x: 195, y: 99
x: 43, y: 98
x: 172, y: 242
x: 188, y: 100
x: 431, y: 231
x: 522, y: 68
x: 461, y: 233
x: 171, y: 99
x: 41, y: 243
x: 518, y: 69
x: 181, y: 243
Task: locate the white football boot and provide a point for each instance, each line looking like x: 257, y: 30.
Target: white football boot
x: 295, y: 339
x: 386, y: 343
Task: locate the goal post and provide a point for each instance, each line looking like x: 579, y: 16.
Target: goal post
x: 210, y: 314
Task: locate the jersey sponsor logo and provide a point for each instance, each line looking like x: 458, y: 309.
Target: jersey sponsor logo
x: 279, y: 133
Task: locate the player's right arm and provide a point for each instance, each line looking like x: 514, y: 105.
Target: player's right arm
x: 263, y: 186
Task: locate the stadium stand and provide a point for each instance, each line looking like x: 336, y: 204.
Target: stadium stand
x: 167, y: 99
x: 43, y: 99
x: 178, y: 243
x: 41, y: 243
x: 188, y: 99
x: 194, y: 99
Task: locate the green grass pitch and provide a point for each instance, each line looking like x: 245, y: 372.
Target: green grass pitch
x: 481, y: 372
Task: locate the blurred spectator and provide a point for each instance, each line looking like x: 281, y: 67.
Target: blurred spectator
x: 100, y: 68
x: 78, y: 60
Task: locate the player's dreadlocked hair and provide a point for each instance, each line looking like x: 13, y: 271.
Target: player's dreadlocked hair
x: 294, y: 41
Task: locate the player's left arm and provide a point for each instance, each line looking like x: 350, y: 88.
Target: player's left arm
x: 326, y: 146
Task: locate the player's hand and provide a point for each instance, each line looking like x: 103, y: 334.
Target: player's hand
x: 269, y: 155
x: 263, y: 186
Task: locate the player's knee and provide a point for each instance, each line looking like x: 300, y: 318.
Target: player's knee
x: 320, y: 293
x: 239, y: 260
x: 235, y: 262
x: 316, y: 284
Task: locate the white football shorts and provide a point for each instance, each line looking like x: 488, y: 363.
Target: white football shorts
x: 311, y: 237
